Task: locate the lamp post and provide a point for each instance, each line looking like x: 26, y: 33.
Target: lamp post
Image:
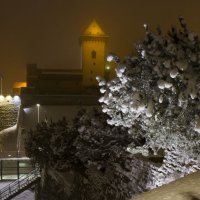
x: 38, y: 112
x: 1, y: 84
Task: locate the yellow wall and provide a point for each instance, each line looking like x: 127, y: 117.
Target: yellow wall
x: 17, y: 87
x: 93, y: 66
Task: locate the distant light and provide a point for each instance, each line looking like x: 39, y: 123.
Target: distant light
x: 107, y: 67
x: 145, y: 26
x: 27, y: 110
x: 2, y: 98
x: 8, y: 98
x: 23, y: 164
x: 16, y: 99
x: 9, y: 155
x: 38, y: 105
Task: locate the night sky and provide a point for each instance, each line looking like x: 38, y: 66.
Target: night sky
x: 47, y: 32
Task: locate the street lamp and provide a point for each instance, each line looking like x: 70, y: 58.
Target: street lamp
x: 38, y: 112
x: 107, y: 72
x: 1, y: 84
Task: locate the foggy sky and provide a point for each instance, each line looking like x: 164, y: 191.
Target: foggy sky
x: 47, y: 32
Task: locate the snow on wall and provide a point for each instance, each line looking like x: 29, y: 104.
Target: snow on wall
x: 186, y: 188
x: 8, y: 114
x: 9, y: 111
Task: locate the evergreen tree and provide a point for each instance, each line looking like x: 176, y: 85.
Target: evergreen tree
x: 156, y: 95
x: 92, y: 153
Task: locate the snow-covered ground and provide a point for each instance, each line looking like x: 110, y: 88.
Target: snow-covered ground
x: 186, y: 188
x: 26, y: 195
x: 8, y: 130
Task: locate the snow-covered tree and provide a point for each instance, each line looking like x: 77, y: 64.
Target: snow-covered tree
x: 93, y: 153
x: 156, y: 94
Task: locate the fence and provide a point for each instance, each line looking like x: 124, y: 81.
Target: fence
x: 14, y: 168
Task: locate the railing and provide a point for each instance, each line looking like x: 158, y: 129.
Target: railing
x: 12, y: 154
x: 13, y: 168
x: 19, y: 185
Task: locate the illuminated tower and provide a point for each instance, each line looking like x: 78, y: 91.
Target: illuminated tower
x: 93, y: 50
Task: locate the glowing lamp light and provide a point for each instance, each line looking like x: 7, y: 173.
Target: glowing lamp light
x: 107, y: 67
x: 27, y: 110
x: 2, y: 98
x: 8, y: 98
x: 38, y: 105
x: 22, y: 164
x: 16, y: 99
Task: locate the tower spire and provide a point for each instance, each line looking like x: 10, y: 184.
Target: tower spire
x: 94, y: 29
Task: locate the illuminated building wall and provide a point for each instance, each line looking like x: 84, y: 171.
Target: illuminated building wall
x: 17, y: 87
x: 93, y: 43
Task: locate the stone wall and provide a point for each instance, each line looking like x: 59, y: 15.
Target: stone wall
x: 8, y: 128
x: 8, y: 114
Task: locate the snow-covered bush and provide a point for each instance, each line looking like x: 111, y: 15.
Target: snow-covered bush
x: 93, y: 152
x: 156, y: 94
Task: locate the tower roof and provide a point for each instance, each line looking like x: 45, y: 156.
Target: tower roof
x: 94, y: 30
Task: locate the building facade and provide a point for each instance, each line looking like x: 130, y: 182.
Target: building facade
x: 69, y: 86
x: 93, y: 50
